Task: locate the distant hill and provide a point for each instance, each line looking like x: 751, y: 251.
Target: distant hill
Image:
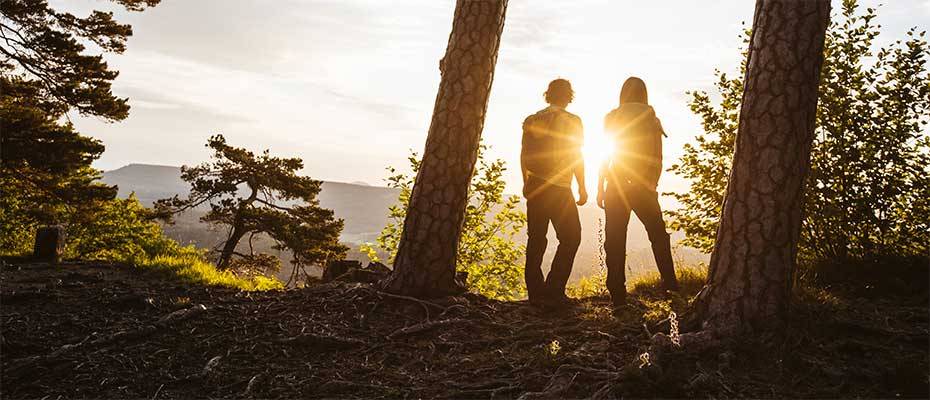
x: 364, y: 209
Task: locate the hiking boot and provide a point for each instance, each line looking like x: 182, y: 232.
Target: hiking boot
x: 560, y: 301
x: 537, y: 301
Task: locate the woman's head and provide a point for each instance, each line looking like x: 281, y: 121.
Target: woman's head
x: 634, y: 91
x: 559, y: 93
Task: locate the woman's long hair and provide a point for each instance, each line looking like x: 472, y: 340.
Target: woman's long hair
x: 634, y: 91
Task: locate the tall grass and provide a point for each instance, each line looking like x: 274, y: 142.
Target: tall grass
x: 691, y: 279
x: 189, y: 266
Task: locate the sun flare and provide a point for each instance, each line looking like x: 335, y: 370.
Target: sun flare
x: 596, y: 149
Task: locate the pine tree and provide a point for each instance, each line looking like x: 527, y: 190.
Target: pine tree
x: 426, y: 254
x: 47, y: 47
x: 46, y: 70
x: 273, y: 200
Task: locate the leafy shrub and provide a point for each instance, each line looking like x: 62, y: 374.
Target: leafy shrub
x: 487, y: 251
x: 122, y: 230
x: 118, y: 230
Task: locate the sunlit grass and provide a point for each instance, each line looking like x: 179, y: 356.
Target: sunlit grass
x: 690, y: 279
x: 589, y: 286
x: 647, y: 297
x: 190, y: 267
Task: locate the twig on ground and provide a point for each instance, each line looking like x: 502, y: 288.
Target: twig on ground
x: 414, y: 299
x: 422, y: 327
x: 163, y: 322
x: 323, y: 340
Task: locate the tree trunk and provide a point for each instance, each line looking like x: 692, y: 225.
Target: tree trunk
x: 230, y: 247
x: 238, y: 231
x: 425, y: 261
x: 751, y: 267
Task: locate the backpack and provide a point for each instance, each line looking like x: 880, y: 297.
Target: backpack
x: 636, y: 134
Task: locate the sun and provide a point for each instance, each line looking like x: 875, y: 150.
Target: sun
x: 595, y: 150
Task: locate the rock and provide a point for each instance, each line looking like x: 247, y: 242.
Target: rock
x: 352, y: 271
x: 50, y: 244
x: 361, y: 276
x: 132, y: 301
x: 378, y: 268
x: 335, y: 269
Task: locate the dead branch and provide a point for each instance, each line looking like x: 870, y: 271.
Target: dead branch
x: 410, y: 330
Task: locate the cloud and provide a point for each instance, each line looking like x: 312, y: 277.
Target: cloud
x: 335, y: 80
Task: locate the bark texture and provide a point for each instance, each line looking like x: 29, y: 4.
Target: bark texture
x: 751, y: 267
x: 50, y: 244
x: 426, y: 255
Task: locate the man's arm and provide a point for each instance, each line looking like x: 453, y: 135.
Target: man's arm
x: 579, y: 164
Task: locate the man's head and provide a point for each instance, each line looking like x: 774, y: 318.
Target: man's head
x: 559, y: 93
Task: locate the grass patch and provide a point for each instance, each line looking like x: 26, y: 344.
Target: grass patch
x: 647, y: 297
x: 589, y: 286
x: 649, y: 285
x: 190, y: 267
x: 690, y: 280
x: 656, y: 303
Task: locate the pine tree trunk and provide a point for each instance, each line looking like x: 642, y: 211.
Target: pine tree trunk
x: 425, y: 261
x: 238, y: 230
x: 751, y: 267
x: 229, y: 248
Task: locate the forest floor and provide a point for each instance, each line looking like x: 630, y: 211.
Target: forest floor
x: 113, y: 331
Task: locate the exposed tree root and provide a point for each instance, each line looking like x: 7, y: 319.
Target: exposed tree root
x: 20, y: 366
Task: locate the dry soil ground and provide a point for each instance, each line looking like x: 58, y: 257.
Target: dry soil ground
x: 111, y: 331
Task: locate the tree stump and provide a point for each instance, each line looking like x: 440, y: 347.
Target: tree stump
x: 50, y: 244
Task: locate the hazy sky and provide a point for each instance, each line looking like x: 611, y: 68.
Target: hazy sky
x: 349, y: 85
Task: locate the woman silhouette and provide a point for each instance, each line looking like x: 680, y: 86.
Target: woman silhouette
x: 627, y: 182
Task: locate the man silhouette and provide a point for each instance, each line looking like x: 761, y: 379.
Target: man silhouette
x: 549, y: 159
x: 628, y: 181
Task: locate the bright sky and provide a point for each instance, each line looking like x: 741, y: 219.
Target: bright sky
x: 349, y: 85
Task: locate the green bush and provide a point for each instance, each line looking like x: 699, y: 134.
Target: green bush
x: 487, y: 251
x: 118, y: 230
x: 122, y: 230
